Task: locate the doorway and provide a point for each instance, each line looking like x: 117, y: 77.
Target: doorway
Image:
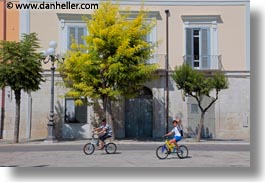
x: 139, y: 115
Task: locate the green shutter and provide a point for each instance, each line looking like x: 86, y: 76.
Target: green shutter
x: 205, y: 48
x: 70, y: 36
x: 189, y: 56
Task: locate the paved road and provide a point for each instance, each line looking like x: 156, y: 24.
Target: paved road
x: 128, y: 155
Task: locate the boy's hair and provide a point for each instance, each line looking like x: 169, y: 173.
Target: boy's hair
x: 174, y: 121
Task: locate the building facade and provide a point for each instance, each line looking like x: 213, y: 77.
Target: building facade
x: 9, y: 30
x: 209, y: 35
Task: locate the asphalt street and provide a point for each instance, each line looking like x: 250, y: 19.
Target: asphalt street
x: 127, y: 155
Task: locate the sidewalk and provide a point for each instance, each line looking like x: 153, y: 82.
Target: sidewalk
x: 189, y: 141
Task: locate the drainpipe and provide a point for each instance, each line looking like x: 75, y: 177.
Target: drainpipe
x: 3, y: 89
x: 167, y: 76
x: 29, y: 117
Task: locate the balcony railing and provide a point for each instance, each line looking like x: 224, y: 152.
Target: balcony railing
x: 208, y: 62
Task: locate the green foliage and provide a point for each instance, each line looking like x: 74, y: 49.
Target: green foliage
x: 220, y: 81
x: 20, y: 66
x: 196, y: 84
x: 113, y: 60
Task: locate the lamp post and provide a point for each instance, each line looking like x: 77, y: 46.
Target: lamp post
x: 51, y: 57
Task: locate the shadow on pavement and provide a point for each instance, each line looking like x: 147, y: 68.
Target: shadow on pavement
x: 111, y: 154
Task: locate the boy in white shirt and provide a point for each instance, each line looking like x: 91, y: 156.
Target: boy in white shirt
x: 177, y: 135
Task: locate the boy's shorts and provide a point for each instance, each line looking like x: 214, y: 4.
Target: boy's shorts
x: 104, y: 137
x: 178, y: 138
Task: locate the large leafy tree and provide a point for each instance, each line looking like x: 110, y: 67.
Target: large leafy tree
x: 113, y: 61
x: 20, y: 68
x: 198, y: 85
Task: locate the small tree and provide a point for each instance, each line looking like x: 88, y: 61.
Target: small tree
x: 197, y: 85
x: 20, y: 68
x: 113, y: 62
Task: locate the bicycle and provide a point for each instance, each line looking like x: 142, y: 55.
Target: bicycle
x: 164, y: 150
x: 89, y: 148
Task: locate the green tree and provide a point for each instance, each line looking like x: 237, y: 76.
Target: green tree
x: 20, y: 68
x: 113, y: 61
x: 197, y: 85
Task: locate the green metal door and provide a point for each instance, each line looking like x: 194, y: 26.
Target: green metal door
x: 139, y: 117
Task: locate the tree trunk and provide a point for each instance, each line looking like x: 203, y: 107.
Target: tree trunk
x: 200, y: 126
x: 17, y: 119
x: 108, y: 113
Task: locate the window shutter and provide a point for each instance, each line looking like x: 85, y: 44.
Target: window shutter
x: 205, y: 37
x: 81, y: 113
x: 69, y: 110
x: 80, y: 34
x: 70, y: 36
x: 148, y: 37
x: 189, y: 56
x: 151, y: 38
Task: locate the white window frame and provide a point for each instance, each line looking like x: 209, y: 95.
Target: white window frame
x: 210, y: 22
x: 64, y: 33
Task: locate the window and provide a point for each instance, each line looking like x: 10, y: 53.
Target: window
x: 198, y: 47
x: 72, y: 27
x: 73, y: 113
x: 75, y: 33
x: 151, y: 37
x: 201, y: 41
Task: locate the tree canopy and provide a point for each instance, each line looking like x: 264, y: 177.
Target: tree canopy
x: 20, y: 66
x: 113, y: 60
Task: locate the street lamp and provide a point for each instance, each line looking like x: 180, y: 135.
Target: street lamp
x: 51, y: 57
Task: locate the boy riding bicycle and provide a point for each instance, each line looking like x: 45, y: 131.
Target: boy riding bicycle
x: 177, y: 135
x: 104, y: 132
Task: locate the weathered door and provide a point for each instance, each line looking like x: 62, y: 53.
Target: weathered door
x: 139, y: 117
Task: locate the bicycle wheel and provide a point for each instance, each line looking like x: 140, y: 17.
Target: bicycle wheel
x: 182, y: 152
x: 89, y: 148
x: 162, y: 152
x: 110, y: 148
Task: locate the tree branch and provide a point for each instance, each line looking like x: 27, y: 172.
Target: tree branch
x: 213, y: 101
x: 198, y: 100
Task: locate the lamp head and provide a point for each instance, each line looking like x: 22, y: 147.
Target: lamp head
x: 51, y: 51
x: 53, y: 44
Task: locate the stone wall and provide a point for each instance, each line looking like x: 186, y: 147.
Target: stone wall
x: 233, y: 110
x: 228, y: 118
